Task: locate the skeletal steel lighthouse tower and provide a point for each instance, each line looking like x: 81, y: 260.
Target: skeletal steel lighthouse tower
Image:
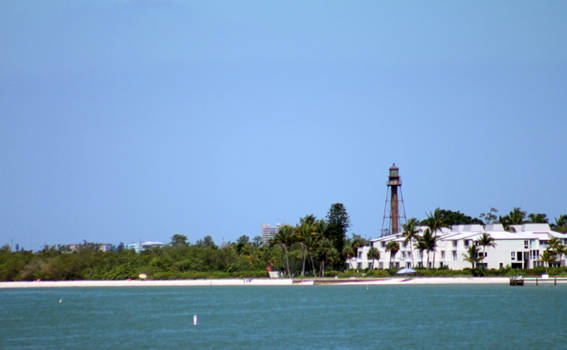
x: 394, y: 219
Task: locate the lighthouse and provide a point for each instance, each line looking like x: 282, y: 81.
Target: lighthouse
x: 394, y: 200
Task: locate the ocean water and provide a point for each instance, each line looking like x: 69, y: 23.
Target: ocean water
x: 292, y: 317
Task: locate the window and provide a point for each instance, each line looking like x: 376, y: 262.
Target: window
x: 466, y: 242
x: 455, y: 244
x: 383, y: 244
x: 442, y: 254
x: 513, y: 255
x: 485, y: 254
x: 501, y: 265
x: 454, y: 255
x: 526, y: 244
x: 405, y: 244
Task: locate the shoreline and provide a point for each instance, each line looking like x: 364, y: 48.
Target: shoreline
x: 266, y: 282
x: 429, y: 280
x: 273, y: 282
x: 148, y: 283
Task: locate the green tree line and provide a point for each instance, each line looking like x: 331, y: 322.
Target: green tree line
x: 312, y: 247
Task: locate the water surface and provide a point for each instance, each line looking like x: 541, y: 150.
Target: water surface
x: 291, y: 317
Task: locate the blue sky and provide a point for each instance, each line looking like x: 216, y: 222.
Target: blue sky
x: 123, y: 121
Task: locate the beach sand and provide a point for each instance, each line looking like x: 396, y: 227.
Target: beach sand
x: 434, y: 280
x: 272, y: 282
x: 149, y: 283
x: 256, y: 282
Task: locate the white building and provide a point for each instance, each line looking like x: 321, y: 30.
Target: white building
x: 103, y: 247
x: 521, y: 247
x: 269, y: 232
x: 138, y: 247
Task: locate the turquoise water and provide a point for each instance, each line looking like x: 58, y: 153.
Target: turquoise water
x: 294, y: 317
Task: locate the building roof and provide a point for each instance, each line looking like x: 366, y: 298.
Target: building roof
x: 496, y: 231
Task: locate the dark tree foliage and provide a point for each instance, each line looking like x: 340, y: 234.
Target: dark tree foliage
x: 179, y: 240
x: 450, y: 218
x: 490, y: 217
x: 206, y: 242
x: 538, y: 218
x: 515, y: 217
x: 242, y: 242
x: 560, y: 224
x: 314, y: 247
x: 338, y: 222
x: 201, y: 260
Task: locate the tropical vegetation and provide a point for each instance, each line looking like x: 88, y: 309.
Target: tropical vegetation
x: 313, y: 247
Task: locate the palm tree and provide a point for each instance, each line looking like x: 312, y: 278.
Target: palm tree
x: 304, y: 233
x: 547, y: 257
x: 538, y: 218
x: 560, y: 224
x: 435, y: 221
x: 515, y: 217
x: 411, y: 233
x: 326, y: 252
x: 557, y: 248
x: 348, y: 252
x: 486, y: 240
x: 428, y: 242
x: 373, y: 254
x: 473, y: 255
x: 357, y: 242
x: 285, y: 238
x: 393, y: 247
x: 319, y: 229
x: 421, y: 247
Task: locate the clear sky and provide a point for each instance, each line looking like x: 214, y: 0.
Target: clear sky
x: 123, y: 120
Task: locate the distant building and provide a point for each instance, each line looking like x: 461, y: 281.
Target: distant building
x: 140, y: 246
x: 73, y: 247
x: 269, y: 232
x: 103, y: 247
x: 520, y: 247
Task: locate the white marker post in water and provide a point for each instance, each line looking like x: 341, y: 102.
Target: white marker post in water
x: 194, y: 320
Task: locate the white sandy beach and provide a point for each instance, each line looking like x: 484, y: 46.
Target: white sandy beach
x: 272, y: 282
x: 435, y: 280
x: 149, y: 283
x: 257, y: 282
